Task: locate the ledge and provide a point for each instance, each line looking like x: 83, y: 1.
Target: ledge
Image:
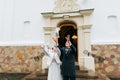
x: 114, y: 77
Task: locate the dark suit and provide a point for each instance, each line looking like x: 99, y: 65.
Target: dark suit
x: 68, y: 62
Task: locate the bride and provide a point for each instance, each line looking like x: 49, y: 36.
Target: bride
x: 54, y: 63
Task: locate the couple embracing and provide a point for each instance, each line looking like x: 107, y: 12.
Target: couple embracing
x: 63, y: 69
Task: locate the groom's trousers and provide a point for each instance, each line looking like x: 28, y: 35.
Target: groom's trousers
x: 69, y: 78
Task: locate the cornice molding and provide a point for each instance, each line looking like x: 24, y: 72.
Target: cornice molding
x: 49, y: 28
x: 70, y: 14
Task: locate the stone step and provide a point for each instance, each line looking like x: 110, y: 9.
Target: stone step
x: 45, y: 73
x: 114, y: 77
x: 12, y: 76
x: 80, y: 75
x: 46, y: 79
x: 87, y: 76
x: 36, y: 78
x: 81, y: 71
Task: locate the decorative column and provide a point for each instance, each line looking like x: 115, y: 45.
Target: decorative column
x: 85, y: 61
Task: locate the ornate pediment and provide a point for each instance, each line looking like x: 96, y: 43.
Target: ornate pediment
x: 66, y: 6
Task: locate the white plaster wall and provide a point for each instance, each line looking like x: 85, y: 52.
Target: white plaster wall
x: 21, y: 22
x: 102, y: 31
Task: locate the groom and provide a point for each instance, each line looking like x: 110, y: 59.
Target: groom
x: 68, y: 60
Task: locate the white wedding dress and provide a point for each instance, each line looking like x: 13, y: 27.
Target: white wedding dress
x: 54, y: 62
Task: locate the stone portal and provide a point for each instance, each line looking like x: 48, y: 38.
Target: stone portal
x: 68, y: 15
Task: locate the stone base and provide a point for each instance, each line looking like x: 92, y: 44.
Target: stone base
x: 87, y: 63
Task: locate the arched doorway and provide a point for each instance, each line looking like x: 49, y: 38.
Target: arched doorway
x: 68, y: 27
x: 80, y: 21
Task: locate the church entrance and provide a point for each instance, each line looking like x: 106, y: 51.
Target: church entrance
x: 75, y: 23
x: 66, y: 28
